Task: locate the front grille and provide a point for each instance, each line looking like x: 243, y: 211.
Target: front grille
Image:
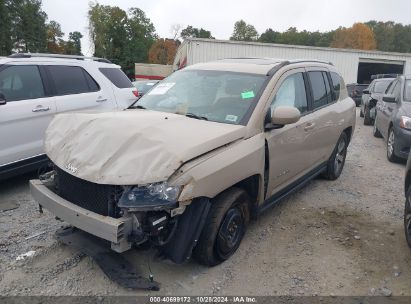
x: 101, y: 199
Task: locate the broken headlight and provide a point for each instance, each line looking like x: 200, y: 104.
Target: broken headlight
x: 151, y: 195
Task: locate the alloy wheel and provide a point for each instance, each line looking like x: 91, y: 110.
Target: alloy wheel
x: 340, y: 156
x: 390, y: 143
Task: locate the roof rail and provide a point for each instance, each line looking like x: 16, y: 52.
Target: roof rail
x: 310, y: 60
x: 75, y: 57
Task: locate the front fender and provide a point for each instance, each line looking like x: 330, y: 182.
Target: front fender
x: 231, y: 165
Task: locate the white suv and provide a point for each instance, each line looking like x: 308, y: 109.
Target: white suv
x: 34, y: 87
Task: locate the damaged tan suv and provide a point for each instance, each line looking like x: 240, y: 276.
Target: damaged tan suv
x: 206, y: 150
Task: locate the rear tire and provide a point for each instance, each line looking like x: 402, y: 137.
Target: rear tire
x: 391, y: 147
x: 407, y: 217
x: 375, y: 131
x: 367, y: 117
x: 337, y: 160
x: 224, y: 228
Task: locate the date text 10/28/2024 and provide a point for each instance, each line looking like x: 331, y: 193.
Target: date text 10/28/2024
x: 203, y: 299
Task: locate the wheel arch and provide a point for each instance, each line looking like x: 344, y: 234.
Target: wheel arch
x: 348, y: 132
x: 407, y: 183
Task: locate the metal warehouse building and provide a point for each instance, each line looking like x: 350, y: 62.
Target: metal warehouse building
x: 355, y: 65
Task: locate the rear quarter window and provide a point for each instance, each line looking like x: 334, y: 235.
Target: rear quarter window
x: 336, y: 83
x: 117, y: 77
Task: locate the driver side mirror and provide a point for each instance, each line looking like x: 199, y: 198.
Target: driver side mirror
x: 284, y: 115
x: 389, y: 98
x: 366, y: 91
x: 2, y: 99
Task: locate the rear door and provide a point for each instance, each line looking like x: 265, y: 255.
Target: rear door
x: 326, y: 110
x: 76, y: 90
x: 123, y: 89
x: 291, y: 149
x: 26, y: 115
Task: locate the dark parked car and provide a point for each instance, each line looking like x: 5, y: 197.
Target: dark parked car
x: 393, y: 120
x: 355, y: 92
x: 407, y: 209
x: 370, y: 97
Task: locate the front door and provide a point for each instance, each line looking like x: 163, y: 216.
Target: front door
x: 25, y: 116
x: 291, y: 153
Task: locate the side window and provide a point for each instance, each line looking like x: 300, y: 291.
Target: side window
x: 336, y: 81
x: 391, y: 87
x: 21, y: 82
x: 327, y: 87
x: 70, y: 80
x: 371, y: 87
x: 318, y: 86
x: 397, y: 89
x: 117, y: 77
x: 92, y: 84
x: 292, y: 93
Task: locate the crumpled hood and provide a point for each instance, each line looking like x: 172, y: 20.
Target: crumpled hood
x: 131, y: 147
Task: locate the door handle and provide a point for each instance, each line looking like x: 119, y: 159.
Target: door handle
x: 309, y: 126
x: 41, y: 109
x: 101, y: 99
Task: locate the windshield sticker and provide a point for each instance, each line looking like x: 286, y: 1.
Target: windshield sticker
x: 247, y: 94
x: 161, y: 89
x: 231, y: 118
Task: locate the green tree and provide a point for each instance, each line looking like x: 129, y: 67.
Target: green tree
x: 6, y: 43
x: 270, y: 36
x: 73, y: 45
x: 122, y: 37
x: 28, y: 26
x: 244, y: 32
x: 193, y: 32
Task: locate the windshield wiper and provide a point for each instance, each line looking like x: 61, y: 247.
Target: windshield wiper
x: 192, y: 115
x: 137, y: 107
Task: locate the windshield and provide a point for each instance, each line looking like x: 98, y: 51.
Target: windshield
x: 407, y: 90
x: 381, y: 86
x: 218, y: 96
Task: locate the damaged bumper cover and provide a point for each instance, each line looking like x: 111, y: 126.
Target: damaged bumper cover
x: 111, y: 229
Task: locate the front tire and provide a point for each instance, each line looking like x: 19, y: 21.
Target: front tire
x: 224, y: 228
x: 407, y: 217
x: 367, y: 116
x: 337, y: 160
x: 391, y: 147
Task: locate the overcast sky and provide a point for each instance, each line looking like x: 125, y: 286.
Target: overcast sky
x: 219, y: 16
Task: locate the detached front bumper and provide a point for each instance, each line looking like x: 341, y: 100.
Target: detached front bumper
x: 111, y: 229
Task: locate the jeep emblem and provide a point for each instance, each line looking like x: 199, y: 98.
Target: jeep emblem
x: 71, y: 168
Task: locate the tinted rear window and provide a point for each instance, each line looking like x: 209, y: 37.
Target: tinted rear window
x: 70, y: 80
x: 117, y: 77
x: 320, y: 88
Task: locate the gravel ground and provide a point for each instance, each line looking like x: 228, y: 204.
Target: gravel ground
x: 331, y: 238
